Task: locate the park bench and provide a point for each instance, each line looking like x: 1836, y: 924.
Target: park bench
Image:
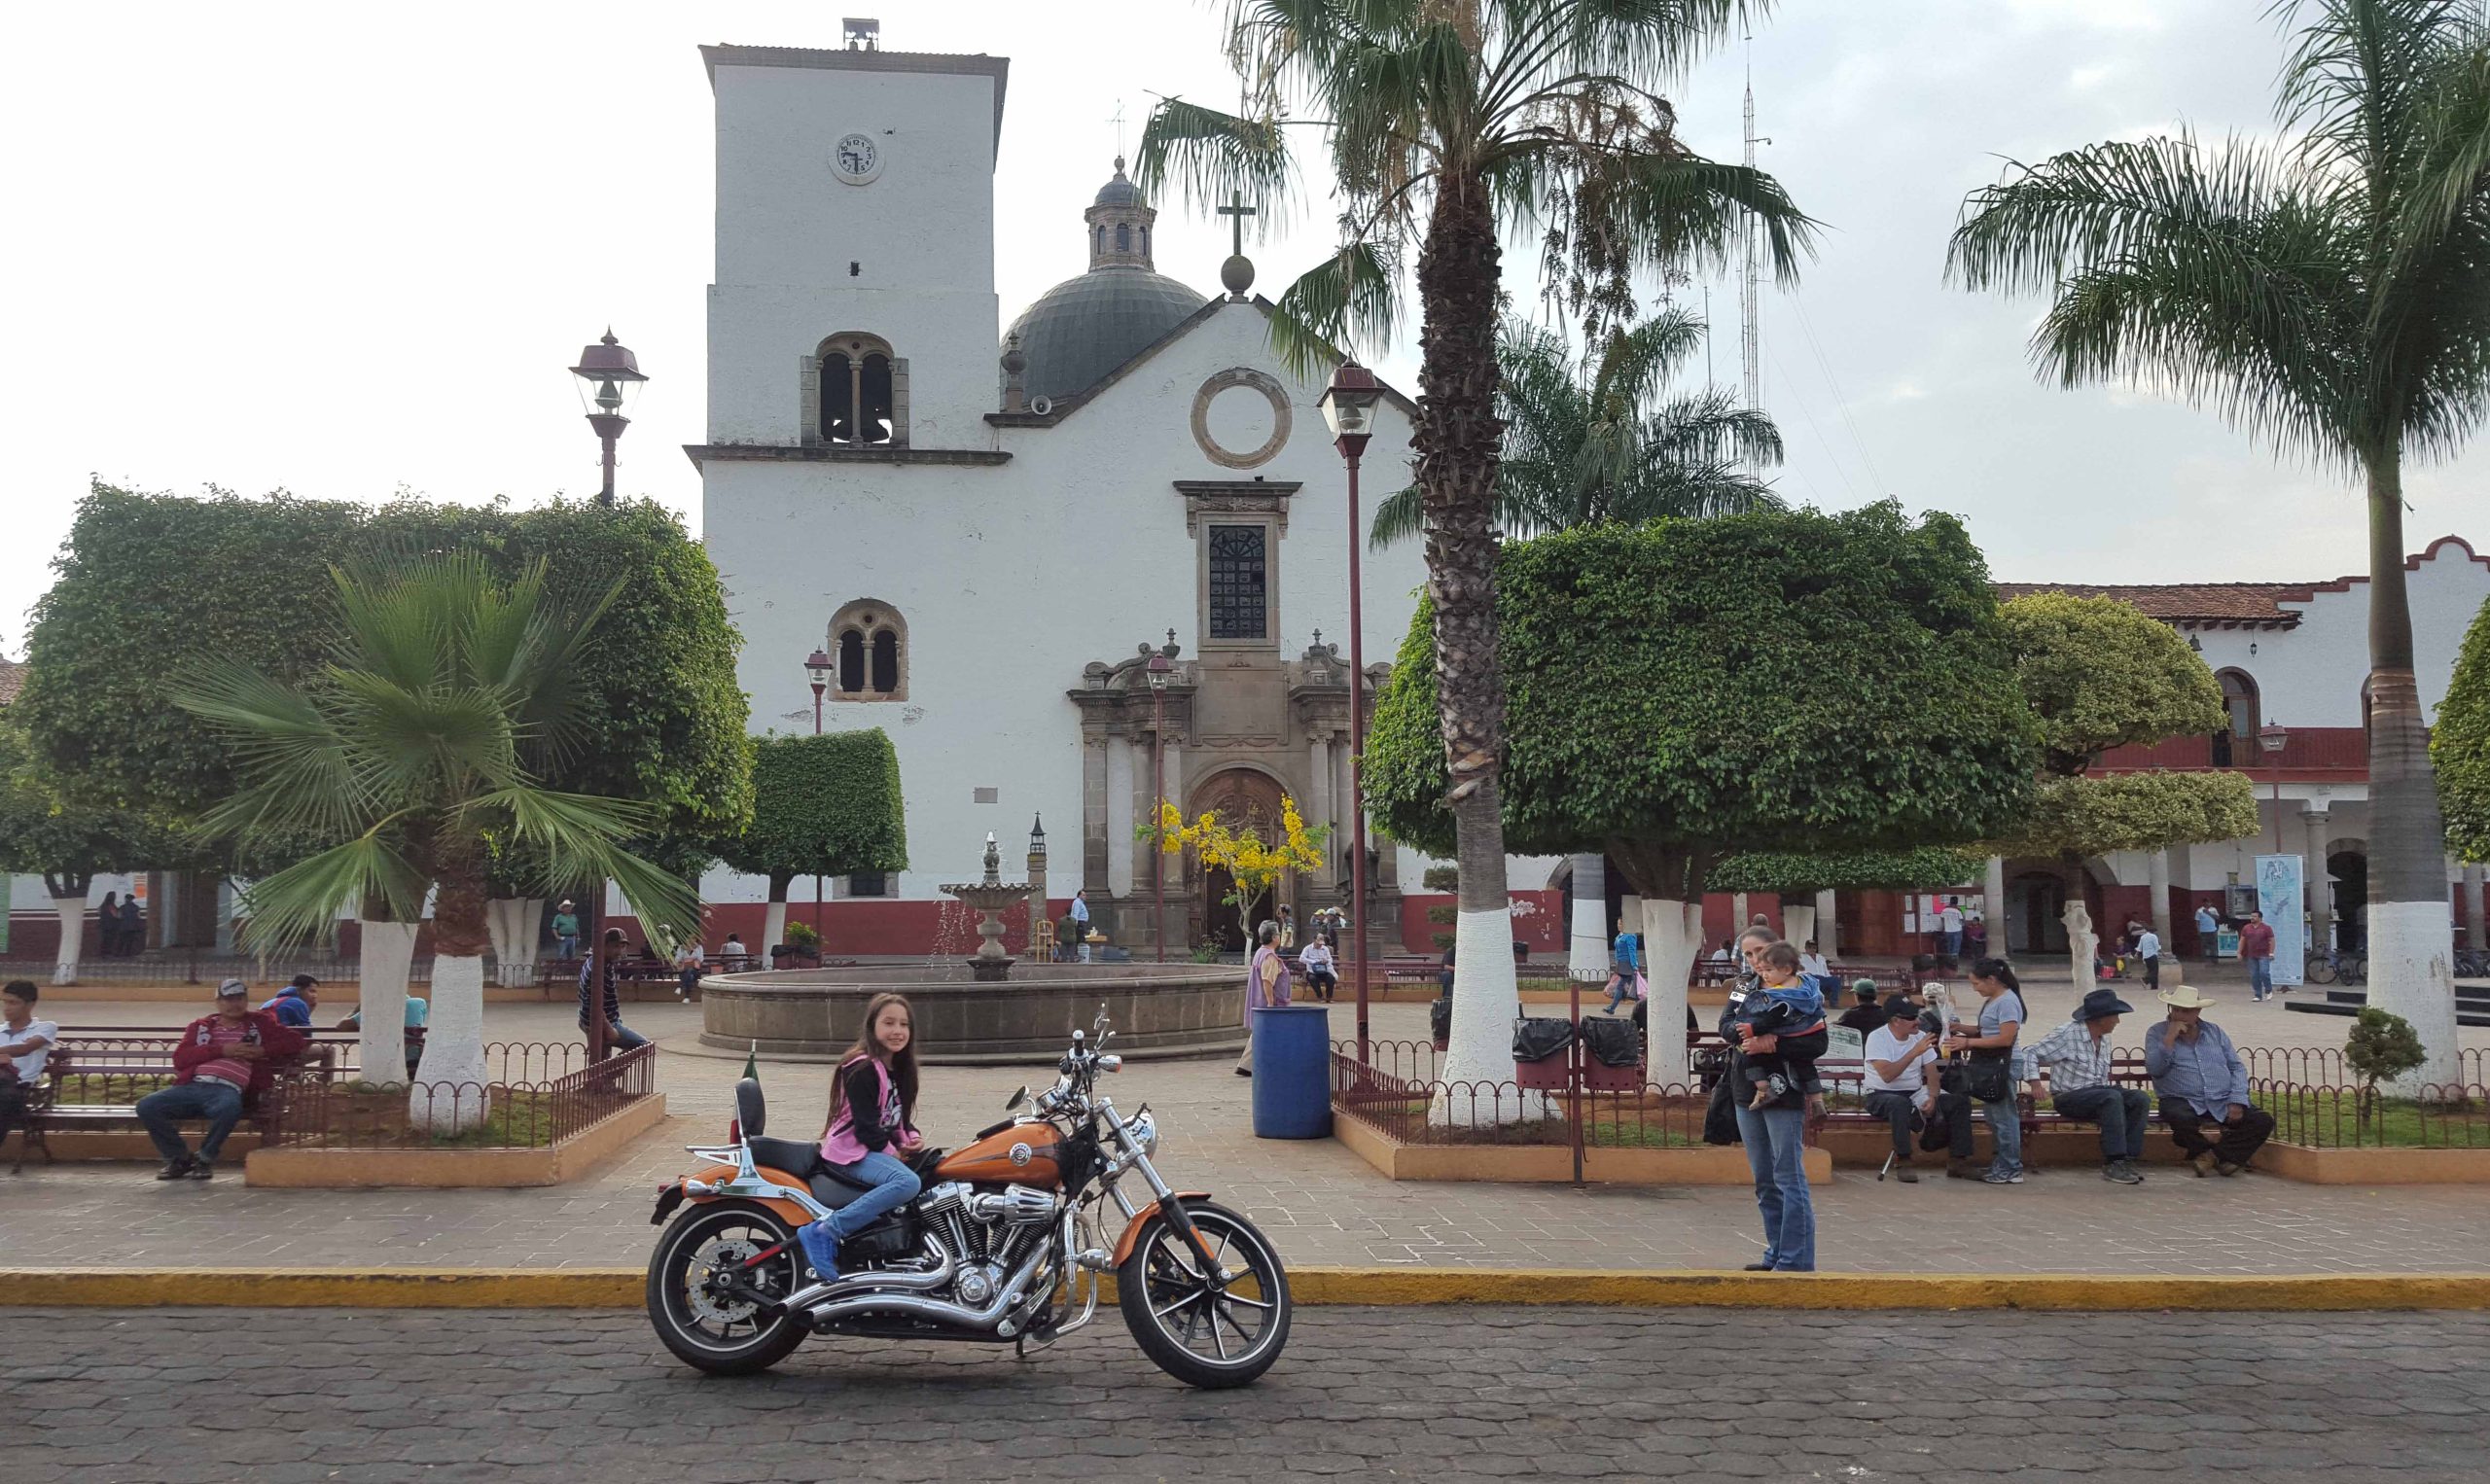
x: 1845, y: 1094
x: 93, y: 1080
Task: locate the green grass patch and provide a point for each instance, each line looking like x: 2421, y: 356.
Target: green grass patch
x: 2331, y: 1118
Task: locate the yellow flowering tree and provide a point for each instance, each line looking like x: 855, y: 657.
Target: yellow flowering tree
x: 1252, y: 864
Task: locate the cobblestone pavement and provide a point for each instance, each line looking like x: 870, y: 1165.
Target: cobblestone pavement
x: 1319, y: 1202
x: 1368, y: 1393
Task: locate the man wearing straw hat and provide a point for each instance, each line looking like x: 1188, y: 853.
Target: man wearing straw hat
x: 2201, y: 1079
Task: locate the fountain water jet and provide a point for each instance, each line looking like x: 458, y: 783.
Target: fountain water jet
x: 989, y: 897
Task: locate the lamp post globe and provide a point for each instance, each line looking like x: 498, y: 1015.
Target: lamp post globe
x: 2273, y: 737
x: 817, y: 665
x: 609, y: 379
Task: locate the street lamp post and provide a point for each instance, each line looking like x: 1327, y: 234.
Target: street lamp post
x: 614, y: 371
x: 1348, y: 408
x: 817, y: 665
x: 2272, y: 738
x: 1160, y: 669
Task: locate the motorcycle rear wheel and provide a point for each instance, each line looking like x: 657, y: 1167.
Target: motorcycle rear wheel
x: 1205, y: 1337
x: 705, y: 1330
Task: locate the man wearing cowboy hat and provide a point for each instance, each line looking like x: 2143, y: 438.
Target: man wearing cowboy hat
x: 2075, y: 1060
x: 566, y: 930
x: 2201, y: 1080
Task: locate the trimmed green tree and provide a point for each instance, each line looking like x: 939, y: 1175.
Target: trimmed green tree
x: 2101, y: 674
x: 822, y: 806
x: 1781, y: 681
x: 68, y: 844
x: 2460, y: 745
x: 2324, y: 294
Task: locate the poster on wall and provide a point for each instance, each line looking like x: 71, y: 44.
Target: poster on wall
x: 2277, y: 889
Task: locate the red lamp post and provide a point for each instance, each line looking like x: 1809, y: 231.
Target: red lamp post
x: 1160, y: 669
x: 615, y: 373
x: 2272, y: 738
x: 1348, y: 409
x: 818, y: 665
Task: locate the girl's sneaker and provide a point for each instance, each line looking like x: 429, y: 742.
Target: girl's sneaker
x: 821, y: 1248
x: 2002, y: 1178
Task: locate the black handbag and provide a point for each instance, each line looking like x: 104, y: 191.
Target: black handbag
x: 1988, y: 1076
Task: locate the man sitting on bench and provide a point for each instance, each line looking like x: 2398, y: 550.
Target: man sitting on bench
x: 224, y: 1061
x: 2075, y: 1060
x: 1899, y: 1057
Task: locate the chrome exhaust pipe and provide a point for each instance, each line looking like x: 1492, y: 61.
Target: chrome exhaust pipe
x: 940, y: 1275
x: 1008, y: 1295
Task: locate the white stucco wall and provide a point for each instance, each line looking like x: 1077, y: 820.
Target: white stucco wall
x: 2311, y: 675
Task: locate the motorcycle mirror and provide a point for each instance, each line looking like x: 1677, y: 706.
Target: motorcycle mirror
x: 1017, y: 1098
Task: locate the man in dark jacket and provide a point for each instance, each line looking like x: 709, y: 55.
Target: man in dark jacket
x: 225, y: 1063
x: 294, y: 1003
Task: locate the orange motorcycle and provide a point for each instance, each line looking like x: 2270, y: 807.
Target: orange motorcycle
x: 1002, y: 1245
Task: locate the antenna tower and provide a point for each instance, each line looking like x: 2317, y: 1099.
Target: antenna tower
x: 1751, y: 301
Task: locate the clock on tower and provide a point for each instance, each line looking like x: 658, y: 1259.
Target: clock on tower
x: 856, y: 159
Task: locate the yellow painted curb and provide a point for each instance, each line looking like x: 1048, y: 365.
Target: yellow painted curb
x: 623, y: 1288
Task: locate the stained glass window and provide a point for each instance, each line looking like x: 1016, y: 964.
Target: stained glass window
x: 1237, y: 582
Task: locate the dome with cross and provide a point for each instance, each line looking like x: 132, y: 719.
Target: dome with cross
x: 1082, y: 329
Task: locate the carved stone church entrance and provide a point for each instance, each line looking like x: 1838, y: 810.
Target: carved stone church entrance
x: 1245, y: 800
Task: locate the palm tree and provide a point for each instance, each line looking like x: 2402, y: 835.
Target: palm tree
x: 447, y: 697
x: 1596, y: 440
x: 2328, y: 295
x: 1449, y: 123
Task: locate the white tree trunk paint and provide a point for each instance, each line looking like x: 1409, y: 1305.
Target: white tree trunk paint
x: 512, y: 922
x: 1589, y: 958
x: 73, y: 936
x: 2080, y: 941
x: 1675, y: 936
x: 1798, y: 923
x: 388, y: 956
x: 2412, y: 975
x: 450, y: 1097
x: 1487, y: 996
x: 773, y: 927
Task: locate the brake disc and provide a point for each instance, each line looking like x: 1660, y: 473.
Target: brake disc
x: 720, y: 1256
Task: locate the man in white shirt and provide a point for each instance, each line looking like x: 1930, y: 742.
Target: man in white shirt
x: 1949, y: 927
x: 2148, y: 949
x: 1899, y: 1057
x: 25, y: 1042
x: 2209, y: 931
x: 1812, y: 962
x: 688, y: 960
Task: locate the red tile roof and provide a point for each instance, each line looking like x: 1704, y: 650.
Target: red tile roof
x: 2186, y: 602
x: 13, y: 678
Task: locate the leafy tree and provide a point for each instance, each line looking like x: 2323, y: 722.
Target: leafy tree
x: 1450, y: 123
x: 2381, y: 1048
x: 68, y: 843
x: 1600, y: 442
x: 1781, y: 681
x: 448, y: 699
x: 2100, y: 674
x: 2326, y: 295
x: 822, y: 806
x: 2460, y: 745
x: 1253, y: 864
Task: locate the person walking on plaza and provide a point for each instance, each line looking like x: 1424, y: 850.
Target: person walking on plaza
x: 1080, y: 925
x: 24, y: 1043
x: 1775, y: 1133
x: 2074, y: 1060
x: 108, y: 925
x: 617, y: 1035
x: 1989, y: 1075
x: 2209, y: 931
x: 2148, y: 950
x: 293, y: 1004
x: 2202, y: 1080
x: 2256, y: 951
x: 1265, y: 988
x: 224, y: 1061
x: 1949, y: 929
x: 1899, y: 1059
x: 566, y: 931
x: 134, y: 925
x: 1625, y: 964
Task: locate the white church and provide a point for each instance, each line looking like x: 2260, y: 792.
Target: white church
x: 989, y: 526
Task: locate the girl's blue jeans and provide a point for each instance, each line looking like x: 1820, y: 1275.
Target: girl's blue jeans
x: 894, y: 1185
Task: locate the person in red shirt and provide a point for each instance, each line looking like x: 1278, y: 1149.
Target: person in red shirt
x: 2257, y: 948
x: 224, y: 1063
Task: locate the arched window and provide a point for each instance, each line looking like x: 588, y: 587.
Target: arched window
x: 862, y: 396
x: 1101, y: 245
x: 1123, y: 237
x: 870, y: 641
x: 2236, y: 743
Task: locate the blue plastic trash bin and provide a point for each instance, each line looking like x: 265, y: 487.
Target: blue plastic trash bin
x: 1293, y: 1073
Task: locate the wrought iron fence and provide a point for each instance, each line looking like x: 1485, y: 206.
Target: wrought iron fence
x: 2434, y: 1117
x: 556, y: 1094
x: 207, y: 966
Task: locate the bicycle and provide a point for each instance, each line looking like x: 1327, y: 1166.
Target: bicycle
x: 2472, y: 963
x: 2334, y: 964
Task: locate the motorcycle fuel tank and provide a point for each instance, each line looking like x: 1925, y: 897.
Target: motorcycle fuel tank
x: 1024, y: 1153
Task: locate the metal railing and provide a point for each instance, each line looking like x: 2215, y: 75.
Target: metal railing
x: 556, y: 1094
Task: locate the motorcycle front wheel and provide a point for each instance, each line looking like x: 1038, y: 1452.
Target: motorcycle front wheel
x: 1208, y: 1336
x: 709, y: 1330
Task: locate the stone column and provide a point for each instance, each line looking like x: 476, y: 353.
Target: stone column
x: 2156, y: 875
x: 1993, y: 906
x: 1120, y: 816
x: 1828, y: 928
x: 2476, y: 932
x: 1319, y: 748
x: 1093, y: 816
x: 2321, y: 892
x: 1738, y: 912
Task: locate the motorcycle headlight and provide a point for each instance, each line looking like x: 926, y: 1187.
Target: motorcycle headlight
x: 1144, y: 1129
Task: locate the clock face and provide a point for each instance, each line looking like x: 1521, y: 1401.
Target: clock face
x: 856, y: 159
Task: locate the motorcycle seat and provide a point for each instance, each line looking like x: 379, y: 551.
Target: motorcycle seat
x: 804, y: 1161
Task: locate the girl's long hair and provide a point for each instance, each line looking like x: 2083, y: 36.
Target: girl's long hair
x: 903, y: 1067
x: 1982, y: 969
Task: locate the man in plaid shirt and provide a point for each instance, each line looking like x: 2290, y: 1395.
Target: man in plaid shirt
x: 2075, y: 1060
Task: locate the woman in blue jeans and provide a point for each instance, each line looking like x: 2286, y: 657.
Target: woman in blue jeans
x: 1775, y: 1134
x: 872, y: 1103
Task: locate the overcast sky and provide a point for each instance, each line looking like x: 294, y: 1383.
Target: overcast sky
x: 344, y: 250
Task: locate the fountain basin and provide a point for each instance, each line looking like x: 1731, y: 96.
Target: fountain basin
x: 814, y: 1014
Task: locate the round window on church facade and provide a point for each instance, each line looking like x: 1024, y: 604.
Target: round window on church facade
x: 1241, y: 418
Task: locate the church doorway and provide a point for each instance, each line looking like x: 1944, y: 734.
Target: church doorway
x: 2350, y: 870
x: 1244, y: 799
x: 2035, y: 913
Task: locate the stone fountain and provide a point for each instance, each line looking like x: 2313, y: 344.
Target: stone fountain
x: 990, y: 965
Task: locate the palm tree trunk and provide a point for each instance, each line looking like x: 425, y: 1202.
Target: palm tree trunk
x: 452, y: 1097
x: 2411, y: 927
x: 1456, y: 437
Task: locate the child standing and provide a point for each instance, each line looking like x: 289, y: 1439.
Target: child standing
x: 872, y: 1101
x: 1794, y: 1013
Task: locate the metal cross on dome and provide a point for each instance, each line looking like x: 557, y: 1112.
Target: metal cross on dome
x: 1237, y: 211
